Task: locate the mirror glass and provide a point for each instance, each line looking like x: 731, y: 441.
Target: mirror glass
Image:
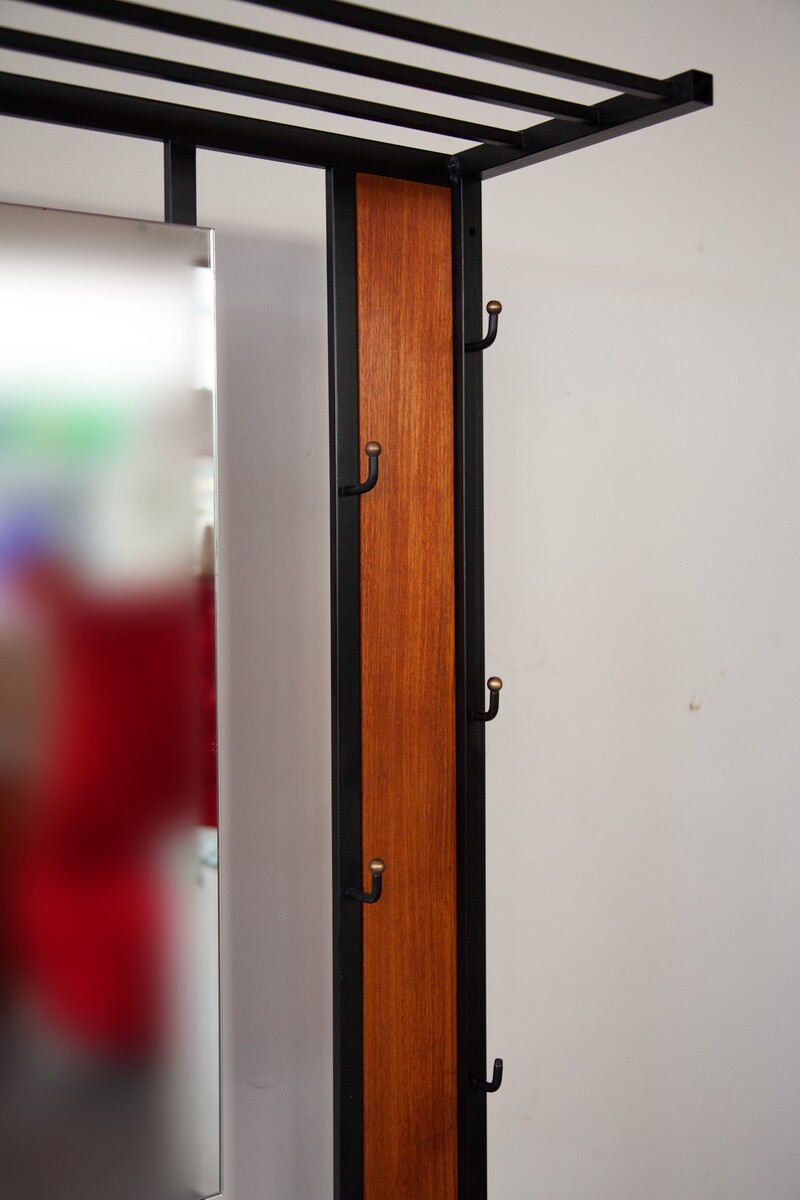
x: 109, y: 979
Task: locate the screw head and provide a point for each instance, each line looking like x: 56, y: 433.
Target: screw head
x: 494, y: 684
x: 377, y: 866
x: 372, y: 449
x: 494, y: 306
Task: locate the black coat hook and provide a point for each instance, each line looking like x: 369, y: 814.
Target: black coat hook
x: 497, y: 1078
x: 377, y: 866
x: 494, y: 684
x: 493, y: 308
x: 372, y: 451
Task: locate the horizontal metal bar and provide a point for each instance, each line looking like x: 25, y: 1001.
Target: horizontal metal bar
x: 220, y: 34
x: 621, y: 114
x: 109, y: 112
x: 243, y: 85
x: 476, y: 46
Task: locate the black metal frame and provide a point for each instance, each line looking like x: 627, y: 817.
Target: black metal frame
x: 470, y: 734
x: 640, y: 101
x: 345, y: 685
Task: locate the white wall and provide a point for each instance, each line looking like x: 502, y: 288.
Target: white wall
x: 642, y: 431
x: 643, y: 440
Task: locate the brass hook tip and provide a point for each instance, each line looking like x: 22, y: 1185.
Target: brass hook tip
x: 372, y: 449
x: 377, y: 866
x: 494, y: 306
x: 494, y: 684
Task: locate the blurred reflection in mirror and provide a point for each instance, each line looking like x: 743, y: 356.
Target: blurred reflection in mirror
x: 109, y: 1051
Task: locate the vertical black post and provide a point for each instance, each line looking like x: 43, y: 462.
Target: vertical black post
x: 470, y: 690
x: 180, y: 183
x: 346, y: 467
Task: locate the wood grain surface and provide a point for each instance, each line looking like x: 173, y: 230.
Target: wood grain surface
x: 408, y: 690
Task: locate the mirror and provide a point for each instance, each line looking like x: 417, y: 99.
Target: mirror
x: 109, y: 961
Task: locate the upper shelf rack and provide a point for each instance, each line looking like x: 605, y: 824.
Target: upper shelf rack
x: 640, y: 100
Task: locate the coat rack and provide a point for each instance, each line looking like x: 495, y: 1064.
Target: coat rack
x: 405, y: 336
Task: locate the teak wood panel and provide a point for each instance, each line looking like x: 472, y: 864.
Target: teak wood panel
x: 405, y: 343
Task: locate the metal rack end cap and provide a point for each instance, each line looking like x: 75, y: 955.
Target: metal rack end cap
x: 494, y: 306
x: 372, y: 449
x: 494, y: 684
x: 377, y: 866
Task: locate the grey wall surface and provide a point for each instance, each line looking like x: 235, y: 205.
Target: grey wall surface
x: 643, y: 586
